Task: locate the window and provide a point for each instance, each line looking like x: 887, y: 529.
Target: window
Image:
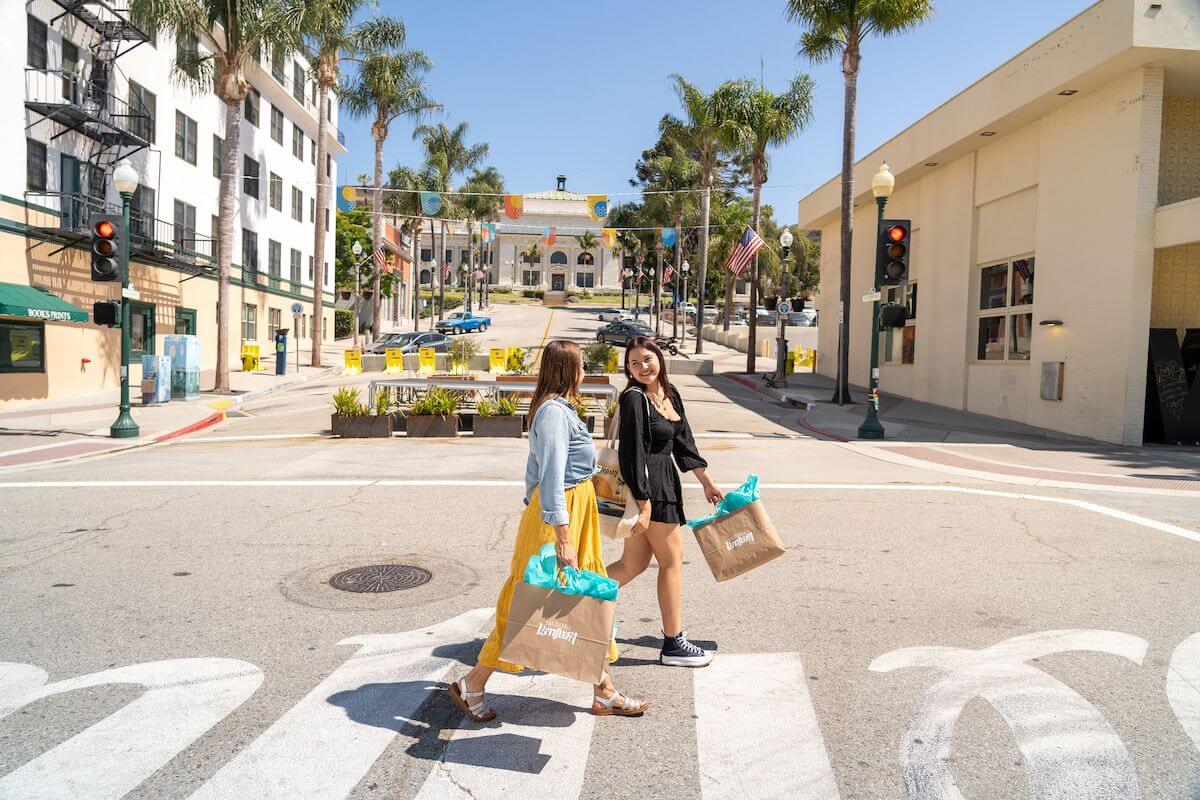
x: 558, y: 257
x: 328, y: 165
x: 218, y: 154
x: 326, y: 220
x: 525, y: 259
x: 312, y: 94
x: 185, y: 226
x: 328, y: 280
x: 35, y: 51
x: 297, y: 204
x: 585, y: 280
x: 186, y: 132
x: 310, y: 269
x: 426, y: 254
x: 35, y: 166
x: 249, y: 250
x: 585, y: 258
x: 274, y: 258
x: 449, y: 257
x: 250, y: 109
x: 295, y: 271
x: 277, y: 125
x: 249, y: 322
x: 250, y: 176
x: 186, y: 45
x: 277, y: 70
x: 298, y: 82
x: 531, y: 277
x: 312, y: 209
x: 141, y: 328
x: 297, y: 142
x: 22, y: 346
x: 141, y: 212
x: 1004, y: 289
x: 312, y: 151
x: 185, y: 321
x: 145, y: 105
x: 275, y: 191
x: 465, y: 257
x: 274, y: 318
x: 70, y: 72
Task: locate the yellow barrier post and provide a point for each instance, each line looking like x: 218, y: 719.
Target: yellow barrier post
x: 353, y: 362
x: 805, y: 358
x: 393, y: 361
x: 497, y: 359
x: 427, y: 360
x: 251, y: 361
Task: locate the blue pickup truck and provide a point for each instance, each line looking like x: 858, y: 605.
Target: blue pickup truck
x: 464, y: 322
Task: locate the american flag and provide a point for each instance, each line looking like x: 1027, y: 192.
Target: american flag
x: 669, y: 272
x: 446, y: 271
x: 479, y: 274
x: 750, y: 244
x: 380, y: 260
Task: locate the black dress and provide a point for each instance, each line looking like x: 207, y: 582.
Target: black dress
x: 650, y: 448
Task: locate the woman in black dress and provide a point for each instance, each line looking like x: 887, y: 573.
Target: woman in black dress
x: 654, y: 437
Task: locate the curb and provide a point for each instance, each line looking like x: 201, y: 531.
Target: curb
x: 207, y: 422
x: 780, y: 396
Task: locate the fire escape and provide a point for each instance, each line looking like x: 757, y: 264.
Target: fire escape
x: 82, y: 101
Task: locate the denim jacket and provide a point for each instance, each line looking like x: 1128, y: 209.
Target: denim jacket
x: 561, y: 454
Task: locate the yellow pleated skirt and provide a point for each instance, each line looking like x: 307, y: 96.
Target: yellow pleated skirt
x: 532, y: 533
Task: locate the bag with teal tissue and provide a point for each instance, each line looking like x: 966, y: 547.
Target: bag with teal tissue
x: 543, y: 571
x: 740, y: 497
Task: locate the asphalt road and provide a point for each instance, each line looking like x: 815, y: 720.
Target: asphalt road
x: 170, y: 631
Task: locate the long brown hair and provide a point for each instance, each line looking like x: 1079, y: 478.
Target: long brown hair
x: 648, y: 344
x: 558, y: 374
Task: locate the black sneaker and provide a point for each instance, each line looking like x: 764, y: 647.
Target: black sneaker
x: 677, y: 651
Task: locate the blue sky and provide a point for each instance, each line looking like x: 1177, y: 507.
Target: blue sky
x: 580, y: 87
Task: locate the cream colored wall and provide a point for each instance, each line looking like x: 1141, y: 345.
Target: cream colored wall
x: 1176, y: 302
x: 1179, y: 177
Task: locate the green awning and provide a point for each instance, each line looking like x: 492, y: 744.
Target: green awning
x: 29, y: 302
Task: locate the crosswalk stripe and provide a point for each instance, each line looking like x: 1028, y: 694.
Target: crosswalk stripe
x: 1183, y: 686
x: 541, y: 749
x: 757, y: 733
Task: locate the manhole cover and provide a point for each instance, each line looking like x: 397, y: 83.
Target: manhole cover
x: 379, y: 578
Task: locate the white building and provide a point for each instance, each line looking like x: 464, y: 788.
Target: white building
x: 85, y: 88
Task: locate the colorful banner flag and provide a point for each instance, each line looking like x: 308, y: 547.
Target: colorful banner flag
x: 668, y: 236
x: 431, y: 204
x: 597, y: 206
x: 514, y: 206
x: 548, y: 236
x: 489, y: 232
x: 608, y: 237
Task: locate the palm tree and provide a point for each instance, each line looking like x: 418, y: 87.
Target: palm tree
x: 485, y: 190
x: 448, y: 155
x: 588, y: 242
x: 532, y: 254
x: 836, y: 28
x: 673, y: 175
x: 766, y: 119
x: 245, y: 29
x: 406, y: 204
x: 707, y: 131
x: 386, y: 87
x: 331, y: 38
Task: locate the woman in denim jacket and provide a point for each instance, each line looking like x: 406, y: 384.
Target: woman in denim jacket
x: 560, y: 508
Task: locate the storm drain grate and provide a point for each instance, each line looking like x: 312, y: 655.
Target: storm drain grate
x: 379, y: 578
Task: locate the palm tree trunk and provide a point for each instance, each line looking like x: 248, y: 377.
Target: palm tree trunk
x: 728, y: 307
x: 678, y: 269
x: 321, y: 209
x: 702, y: 273
x: 750, y: 351
x: 441, y: 277
x: 226, y: 211
x: 850, y: 70
x: 377, y: 238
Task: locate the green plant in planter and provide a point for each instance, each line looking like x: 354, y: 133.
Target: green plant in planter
x: 610, y: 410
x: 383, y: 404
x: 504, y: 407
x: 581, y: 408
x: 462, y: 350
x: 596, y: 356
x: 346, y: 403
x: 520, y: 361
x: 435, y: 403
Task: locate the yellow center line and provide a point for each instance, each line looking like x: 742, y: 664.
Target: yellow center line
x: 545, y: 335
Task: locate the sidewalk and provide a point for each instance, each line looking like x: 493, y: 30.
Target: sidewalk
x: 48, y: 432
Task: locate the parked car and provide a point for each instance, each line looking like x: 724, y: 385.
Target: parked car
x: 391, y: 340
x: 411, y: 342
x: 623, y: 332
x: 611, y: 314
x: 711, y: 313
x: 464, y: 322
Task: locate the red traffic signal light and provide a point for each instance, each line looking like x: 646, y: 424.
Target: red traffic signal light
x: 105, y: 229
x: 891, y: 259
x: 897, y: 233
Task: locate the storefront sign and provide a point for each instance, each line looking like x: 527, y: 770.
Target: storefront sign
x: 50, y: 316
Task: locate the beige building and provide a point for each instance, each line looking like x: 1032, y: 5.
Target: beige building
x: 1076, y: 163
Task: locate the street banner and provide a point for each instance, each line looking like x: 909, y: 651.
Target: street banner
x: 431, y: 204
x: 597, y: 205
x: 488, y: 230
x: 427, y: 359
x: 554, y: 632
x: 353, y: 362
x: 608, y: 237
x: 548, y: 236
x: 668, y: 236
x: 394, y: 360
x: 737, y: 543
x: 351, y: 194
x: 497, y: 358
x: 514, y: 206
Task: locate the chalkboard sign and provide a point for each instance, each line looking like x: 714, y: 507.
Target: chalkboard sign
x: 1177, y: 405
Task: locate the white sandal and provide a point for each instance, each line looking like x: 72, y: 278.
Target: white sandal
x: 626, y: 707
x: 463, y: 699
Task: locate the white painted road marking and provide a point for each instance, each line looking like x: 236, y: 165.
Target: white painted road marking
x: 323, y: 746
x: 1070, y: 750
x: 756, y: 730
x: 184, y: 698
x: 539, y: 750
x: 1183, y: 687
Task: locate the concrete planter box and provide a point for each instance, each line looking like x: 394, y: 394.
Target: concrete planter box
x: 427, y: 427
x: 375, y: 426
x: 499, y: 427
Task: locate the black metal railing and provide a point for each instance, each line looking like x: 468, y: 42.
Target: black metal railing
x: 77, y: 102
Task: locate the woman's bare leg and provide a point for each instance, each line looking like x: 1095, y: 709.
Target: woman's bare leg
x: 667, y: 543
x: 635, y: 557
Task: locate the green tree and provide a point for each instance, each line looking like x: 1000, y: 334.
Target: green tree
x: 355, y: 226
x: 671, y: 177
x: 332, y: 37
x: 233, y: 34
x: 386, y: 87
x: 837, y: 29
x: 405, y: 202
x: 481, y: 203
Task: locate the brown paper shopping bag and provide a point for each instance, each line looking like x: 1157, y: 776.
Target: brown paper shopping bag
x: 554, y: 632
x: 739, y: 542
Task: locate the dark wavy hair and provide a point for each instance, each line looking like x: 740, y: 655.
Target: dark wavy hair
x: 652, y: 346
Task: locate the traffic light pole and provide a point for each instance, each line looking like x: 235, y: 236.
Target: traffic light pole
x: 871, y: 427
x: 125, y: 427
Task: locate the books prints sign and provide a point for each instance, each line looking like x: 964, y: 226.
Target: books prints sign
x: 737, y: 543
x: 553, y: 632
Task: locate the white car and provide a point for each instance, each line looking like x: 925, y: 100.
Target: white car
x: 613, y: 314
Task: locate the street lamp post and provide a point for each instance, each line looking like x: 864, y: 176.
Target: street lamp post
x: 357, y: 249
x: 881, y: 186
x: 466, y: 273
x: 685, y: 268
x: 780, y: 379
x: 656, y: 284
x: 125, y: 179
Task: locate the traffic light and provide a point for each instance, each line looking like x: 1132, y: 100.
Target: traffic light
x: 891, y: 262
x: 107, y: 230
x: 892, y: 315
x: 107, y: 312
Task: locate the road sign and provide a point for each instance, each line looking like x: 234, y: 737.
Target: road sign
x: 784, y: 308
x: 872, y: 297
x: 129, y: 293
x: 297, y: 309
